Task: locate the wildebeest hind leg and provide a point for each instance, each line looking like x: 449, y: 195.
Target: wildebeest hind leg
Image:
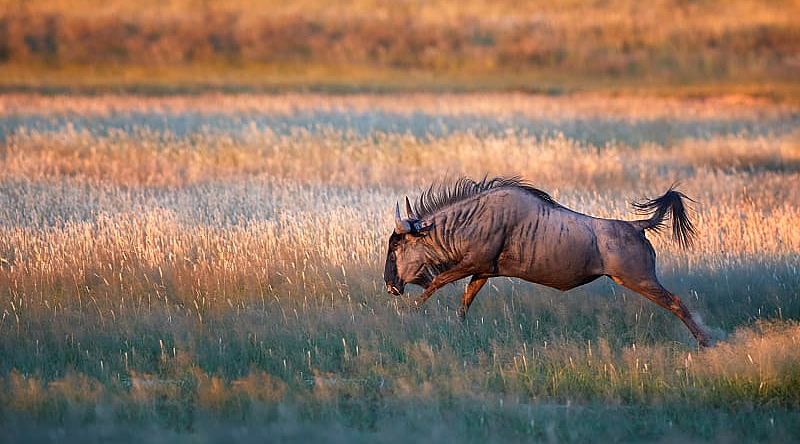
x: 652, y: 289
x: 474, y: 286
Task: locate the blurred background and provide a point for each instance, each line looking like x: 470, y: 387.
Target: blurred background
x: 677, y: 46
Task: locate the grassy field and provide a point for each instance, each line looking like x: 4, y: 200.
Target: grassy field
x: 201, y: 267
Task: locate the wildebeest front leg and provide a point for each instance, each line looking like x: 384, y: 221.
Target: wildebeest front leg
x: 474, y: 286
x: 440, y: 281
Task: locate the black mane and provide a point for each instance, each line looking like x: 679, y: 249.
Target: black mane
x: 438, y: 196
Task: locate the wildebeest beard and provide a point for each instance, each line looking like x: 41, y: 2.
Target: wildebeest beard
x: 432, y: 267
x: 425, y: 275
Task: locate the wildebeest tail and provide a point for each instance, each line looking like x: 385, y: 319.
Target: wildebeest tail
x: 671, y: 205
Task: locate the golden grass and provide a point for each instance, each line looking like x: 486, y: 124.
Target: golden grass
x: 119, y: 252
x: 737, y: 12
x: 625, y: 107
x: 761, y: 356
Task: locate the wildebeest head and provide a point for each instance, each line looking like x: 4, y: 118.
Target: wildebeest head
x: 406, y: 259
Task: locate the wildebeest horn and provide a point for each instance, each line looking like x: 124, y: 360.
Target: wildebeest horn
x: 400, y: 225
x: 410, y: 212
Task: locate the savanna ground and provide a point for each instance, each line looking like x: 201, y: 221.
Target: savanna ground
x: 210, y: 266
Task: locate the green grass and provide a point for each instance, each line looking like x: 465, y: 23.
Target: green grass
x: 366, y: 373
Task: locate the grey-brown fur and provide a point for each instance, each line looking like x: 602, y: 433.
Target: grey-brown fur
x: 505, y: 227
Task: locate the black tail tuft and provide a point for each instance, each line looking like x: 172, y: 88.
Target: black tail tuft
x: 671, y: 202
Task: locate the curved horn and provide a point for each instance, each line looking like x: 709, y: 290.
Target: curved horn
x: 400, y: 226
x: 409, y: 211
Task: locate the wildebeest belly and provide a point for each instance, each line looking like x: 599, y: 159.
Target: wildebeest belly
x: 562, y: 255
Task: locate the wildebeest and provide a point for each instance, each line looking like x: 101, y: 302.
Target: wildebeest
x: 506, y: 227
